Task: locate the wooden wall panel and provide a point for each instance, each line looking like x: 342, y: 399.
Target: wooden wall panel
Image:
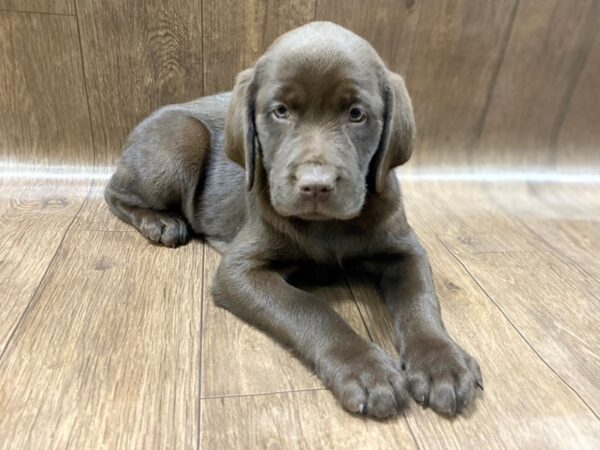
x: 44, y: 116
x: 389, y: 25
x: 40, y: 6
x: 578, y: 143
x: 544, y: 55
x: 237, y: 32
x: 457, y: 51
x: 510, y: 82
x: 138, y: 55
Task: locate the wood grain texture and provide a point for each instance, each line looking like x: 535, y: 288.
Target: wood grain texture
x: 240, y: 360
x: 95, y: 215
x: 44, y: 119
x: 34, y: 216
x: 582, y: 199
x: 295, y: 420
x: 462, y: 214
x: 389, y: 25
x: 109, y: 352
x: 108, y: 355
x: 555, y: 271
x: 579, y: 138
x: 506, y: 83
x: 39, y: 6
x: 512, y: 217
x: 451, y: 72
x: 566, y: 219
x: 553, y: 306
x: 237, y: 32
x: 508, y: 364
x: 138, y: 56
x: 544, y: 56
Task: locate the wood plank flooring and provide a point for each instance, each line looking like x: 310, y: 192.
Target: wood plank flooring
x: 109, y: 342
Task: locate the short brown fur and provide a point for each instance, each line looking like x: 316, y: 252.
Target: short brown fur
x: 313, y: 131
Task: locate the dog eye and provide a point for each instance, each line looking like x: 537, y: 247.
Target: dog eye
x: 281, y: 112
x: 357, y: 114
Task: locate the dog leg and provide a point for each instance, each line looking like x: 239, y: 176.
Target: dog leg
x: 440, y: 373
x: 154, y: 186
x: 166, y: 228
x: 361, y: 375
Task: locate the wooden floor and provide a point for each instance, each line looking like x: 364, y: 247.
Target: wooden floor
x: 109, y: 342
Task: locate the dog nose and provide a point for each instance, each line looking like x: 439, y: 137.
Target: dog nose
x: 315, y: 181
x: 315, y: 188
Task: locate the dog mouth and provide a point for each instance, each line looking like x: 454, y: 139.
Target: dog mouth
x: 314, y: 216
x: 320, y: 212
x: 316, y: 210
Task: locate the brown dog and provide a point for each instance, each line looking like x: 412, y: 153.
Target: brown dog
x: 317, y: 125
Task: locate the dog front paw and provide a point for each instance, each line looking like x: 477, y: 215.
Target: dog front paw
x: 366, y: 381
x: 441, y: 375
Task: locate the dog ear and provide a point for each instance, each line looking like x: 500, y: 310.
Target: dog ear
x: 398, y: 135
x: 240, y: 128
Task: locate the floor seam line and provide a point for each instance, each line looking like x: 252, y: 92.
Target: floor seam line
x: 358, y: 308
x: 35, y: 296
x: 560, y: 255
x: 490, y: 298
x: 201, y: 351
x: 410, y: 430
x: 264, y: 394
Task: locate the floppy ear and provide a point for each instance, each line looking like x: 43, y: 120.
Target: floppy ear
x: 398, y: 135
x: 240, y: 129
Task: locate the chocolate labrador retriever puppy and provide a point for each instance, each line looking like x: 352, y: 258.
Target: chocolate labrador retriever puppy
x: 294, y: 167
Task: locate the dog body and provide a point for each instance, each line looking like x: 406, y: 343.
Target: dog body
x: 294, y: 168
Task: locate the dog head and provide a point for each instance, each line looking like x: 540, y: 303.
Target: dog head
x: 324, y: 118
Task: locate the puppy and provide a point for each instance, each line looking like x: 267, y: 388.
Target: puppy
x: 294, y: 168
